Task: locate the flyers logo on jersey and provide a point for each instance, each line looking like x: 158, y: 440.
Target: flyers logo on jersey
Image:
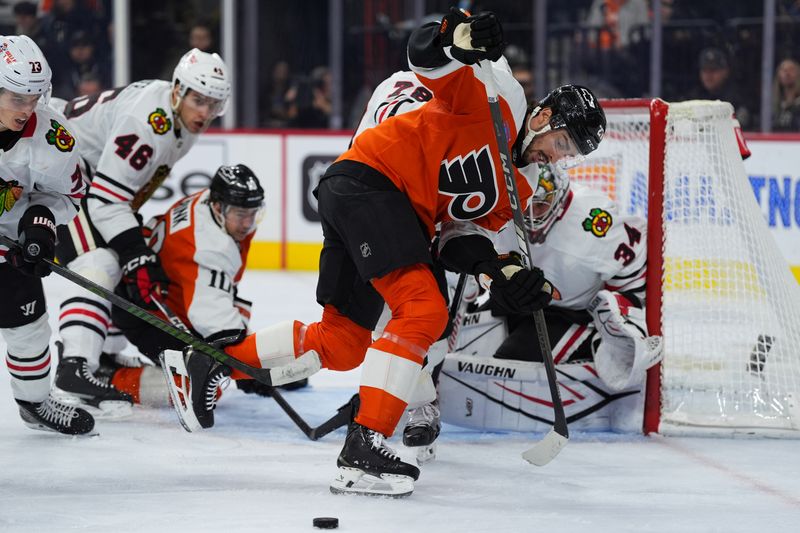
x: 10, y: 192
x: 59, y: 137
x: 599, y: 222
x: 472, y: 183
x: 159, y: 121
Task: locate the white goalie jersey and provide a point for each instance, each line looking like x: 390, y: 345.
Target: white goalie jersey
x: 129, y: 140
x: 591, y: 247
x: 43, y: 168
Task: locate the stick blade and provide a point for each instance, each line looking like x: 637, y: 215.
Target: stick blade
x: 546, y: 449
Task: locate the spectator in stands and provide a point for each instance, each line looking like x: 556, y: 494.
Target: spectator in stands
x: 201, y: 36
x: 716, y: 83
x: 25, y: 20
x: 616, y: 63
x: 83, y: 65
x: 89, y: 84
x: 277, y: 115
x: 64, y: 20
x: 521, y: 69
x: 616, y: 18
x: 786, y: 96
x: 309, y: 100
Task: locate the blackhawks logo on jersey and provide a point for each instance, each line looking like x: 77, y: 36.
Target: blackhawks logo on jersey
x: 10, y: 191
x: 599, y: 222
x: 59, y: 137
x: 159, y: 121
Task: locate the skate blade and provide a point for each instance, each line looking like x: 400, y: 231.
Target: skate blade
x: 355, y: 481
x: 107, y: 410
x: 426, y: 454
x: 41, y: 427
x: 173, y: 363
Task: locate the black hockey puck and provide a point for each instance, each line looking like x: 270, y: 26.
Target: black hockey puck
x: 326, y: 522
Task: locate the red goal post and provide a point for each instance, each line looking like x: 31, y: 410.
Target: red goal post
x: 719, y: 290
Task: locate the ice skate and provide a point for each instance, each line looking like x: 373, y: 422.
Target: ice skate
x: 75, y: 383
x: 53, y: 415
x: 193, y: 381
x: 367, y: 466
x: 423, y: 426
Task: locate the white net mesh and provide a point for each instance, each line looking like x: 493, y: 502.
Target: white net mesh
x: 731, y: 307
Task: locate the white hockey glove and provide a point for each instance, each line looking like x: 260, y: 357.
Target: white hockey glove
x: 625, y: 351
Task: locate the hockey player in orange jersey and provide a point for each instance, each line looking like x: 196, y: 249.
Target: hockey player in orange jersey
x: 380, y: 203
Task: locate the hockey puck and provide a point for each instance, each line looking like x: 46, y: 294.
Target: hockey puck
x: 326, y: 522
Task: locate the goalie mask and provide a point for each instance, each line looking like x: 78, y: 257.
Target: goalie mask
x: 237, y: 200
x: 575, y: 110
x: 547, y: 202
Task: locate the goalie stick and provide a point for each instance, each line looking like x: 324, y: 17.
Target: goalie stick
x: 296, y: 370
x: 342, y: 417
x: 545, y: 450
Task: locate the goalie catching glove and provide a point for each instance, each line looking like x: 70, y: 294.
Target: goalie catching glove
x: 625, y: 351
x: 514, y: 289
x: 471, y: 38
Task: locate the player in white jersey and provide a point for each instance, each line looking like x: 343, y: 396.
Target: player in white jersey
x: 41, y: 186
x: 131, y: 138
x: 202, y: 242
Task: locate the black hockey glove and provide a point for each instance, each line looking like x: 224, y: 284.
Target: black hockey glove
x: 515, y: 290
x: 472, y: 38
x: 37, y: 242
x: 142, y: 275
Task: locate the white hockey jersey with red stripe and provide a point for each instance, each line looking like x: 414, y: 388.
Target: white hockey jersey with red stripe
x: 41, y: 168
x: 204, y: 265
x: 399, y: 93
x: 591, y: 247
x: 129, y: 139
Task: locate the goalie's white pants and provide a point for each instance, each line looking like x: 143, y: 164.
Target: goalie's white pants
x: 28, y: 359
x: 85, y: 317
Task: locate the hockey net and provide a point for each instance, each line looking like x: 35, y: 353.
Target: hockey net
x: 719, y: 290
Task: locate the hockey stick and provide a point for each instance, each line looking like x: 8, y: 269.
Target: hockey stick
x: 263, y: 375
x: 545, y: 450
x: 342, y: 417
x: 456, y: 312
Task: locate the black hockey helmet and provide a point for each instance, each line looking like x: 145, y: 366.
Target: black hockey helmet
x: 236, y: 185
x: 576, y: 108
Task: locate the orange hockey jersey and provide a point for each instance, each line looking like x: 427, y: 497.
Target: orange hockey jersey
x: 444, y: 155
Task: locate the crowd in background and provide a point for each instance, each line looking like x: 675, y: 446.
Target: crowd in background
x: 711, y: 49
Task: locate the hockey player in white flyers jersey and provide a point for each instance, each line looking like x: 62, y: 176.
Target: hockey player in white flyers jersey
x: 202, y: 242
x: 40, y: 187
x: 130, y: 139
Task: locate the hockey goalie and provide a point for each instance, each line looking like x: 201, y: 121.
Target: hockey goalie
x: 595, y: 257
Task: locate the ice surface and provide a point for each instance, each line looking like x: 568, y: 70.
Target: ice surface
x: 255, y: 472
